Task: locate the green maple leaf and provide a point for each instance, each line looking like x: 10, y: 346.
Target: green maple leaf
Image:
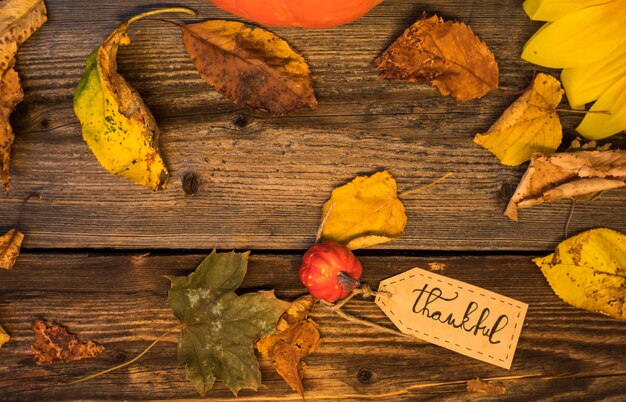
x: 221, y: 328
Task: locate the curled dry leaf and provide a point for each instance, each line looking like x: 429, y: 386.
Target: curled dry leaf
x: 4, y: 337
x: 529, y: 125
x: 567, y: 175
x: 18, y: 20
x: 297, y: 336
x: 116, y: 124
x: 220, y: 328
x: 53, y: 344
x: 446, y: 54
x: 251, y: 66
x: 588, y: 271
x: 10, y: 245
x: 364, y: 212
x: 486, y: 387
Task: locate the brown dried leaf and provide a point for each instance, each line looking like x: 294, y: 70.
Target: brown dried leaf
x: 484, y: 387
x: 250, y: 65
x: 567, y: 175
x: 297, y: 336
x: 10, y: 245
x: 18, y: 20
x: 54, y: 344
x: 446, y: 54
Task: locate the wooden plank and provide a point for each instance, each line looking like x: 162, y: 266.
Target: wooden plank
x: 120, y: 301
x: 263, y: 179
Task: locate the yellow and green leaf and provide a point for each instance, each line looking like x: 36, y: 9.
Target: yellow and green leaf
x: 598, y: 125
x: 550, y: 10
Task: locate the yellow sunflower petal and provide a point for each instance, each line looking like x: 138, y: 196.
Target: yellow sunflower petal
x: 551, y: 10
x: 579, y: 38
x: 586, y: 83
x: 596, y: 126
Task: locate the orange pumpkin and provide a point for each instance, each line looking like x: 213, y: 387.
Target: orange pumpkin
x: 299, y: 13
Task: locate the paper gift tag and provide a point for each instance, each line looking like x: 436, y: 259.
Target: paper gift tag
x: 453, y: 314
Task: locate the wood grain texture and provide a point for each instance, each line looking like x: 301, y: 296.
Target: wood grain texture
x: 262, y: 180
x: 120, y: 301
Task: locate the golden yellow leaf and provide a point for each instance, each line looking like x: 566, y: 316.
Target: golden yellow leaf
x: 529, y: 125
x: 18, y: 20
x: 565, y: 175
x: 116, y: 124
x: 10, y: 245
x: 297, y: 337
x: 4, y: 337
x: 365, y: 212
x: 588, y: 271
x: 250, y: 65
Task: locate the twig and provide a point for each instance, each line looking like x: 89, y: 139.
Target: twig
x: 131, y: 361
x: 19, y: 215
x: 583, y: 111
x: 416, y: 190
x: 161, y: 11
x: 569, y: 218
x: 320, y: 229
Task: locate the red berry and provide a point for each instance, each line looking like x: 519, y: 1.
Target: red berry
x: 330, y: 271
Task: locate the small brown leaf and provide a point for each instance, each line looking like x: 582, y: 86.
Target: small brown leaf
x: 484, y: 387
x: 54, y: 344
x: 250, y: 65
x: 10, y: 245
x: 297, y: 336
x: 567, y: 175
x: 446, y: 54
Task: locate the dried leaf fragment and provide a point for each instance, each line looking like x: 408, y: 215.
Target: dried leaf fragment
x: 116, y: 124
x: 4, y: 337
x: 446, y: 54
x: 297, y: 336
x: 364, y: 212
x: 529, y: 125
x: 588, y: 271
x: 54, y: 344
x: 566, y: 175
x: 251, y: 66
x: 10, y: 245
x: 486, y: 387
x: 220, y: 327
x: 18, y: 20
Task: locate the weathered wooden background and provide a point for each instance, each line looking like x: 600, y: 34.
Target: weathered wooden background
x: 262, y: 181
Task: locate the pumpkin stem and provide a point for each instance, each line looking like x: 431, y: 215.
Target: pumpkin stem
x: 347, y: 282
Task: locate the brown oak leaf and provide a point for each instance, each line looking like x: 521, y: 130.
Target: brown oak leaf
x: 567, y: 175
x: 54, y: 344
x: 18, y: 20
x: 297, y: 337
x: 250, y: 65
x: 446, y: 54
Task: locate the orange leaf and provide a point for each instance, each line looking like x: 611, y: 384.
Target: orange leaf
x: 54, y: 344
x: 297, y: 336
x: 250, y: 65
x: 446, y: 54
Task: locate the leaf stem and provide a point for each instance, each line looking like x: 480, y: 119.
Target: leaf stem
x: 320, y: 229
x: 161, y: 11
x: 417, y: 190
x: 131, y: 361
x: 19, y: 215
x: 583, y: 111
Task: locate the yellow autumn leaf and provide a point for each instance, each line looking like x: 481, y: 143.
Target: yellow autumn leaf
x: 588, y: 271
x: 582, y: 37
x: 529, y: 125
x: 4, y: 337
x: 365, y: 212
x: 596, y: 126
x: 10, y: 245
x: 584, y: 84
x: 116, y: 124
x: 550, y: 10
